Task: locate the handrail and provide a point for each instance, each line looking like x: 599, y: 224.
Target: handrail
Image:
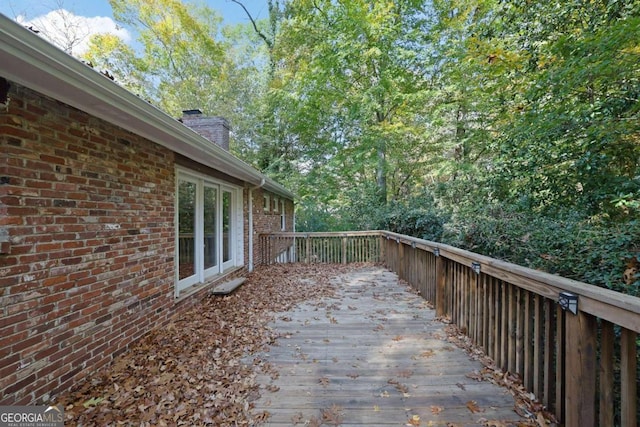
x: 599, y: 300
x: 512, y: 313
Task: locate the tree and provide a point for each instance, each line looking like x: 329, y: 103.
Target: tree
x: 65, y: 29
x: 351, y: 85
x: 275, y: 148
x: 574, y: 141
x: 188, y: 61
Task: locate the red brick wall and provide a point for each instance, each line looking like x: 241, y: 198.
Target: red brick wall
x: 268, y: 221
x: 89, y: 209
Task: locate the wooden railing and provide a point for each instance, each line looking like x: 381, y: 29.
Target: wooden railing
x: 341, y: 248
x: 582, y: 366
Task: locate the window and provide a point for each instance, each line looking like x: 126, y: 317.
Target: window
x: 209, y: 229
x: 276, y: 204
x: 265, y: 204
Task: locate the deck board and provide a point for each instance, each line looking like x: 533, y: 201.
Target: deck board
x: 376, y: 355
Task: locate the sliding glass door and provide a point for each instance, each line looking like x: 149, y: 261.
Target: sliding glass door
x: 207, y: 231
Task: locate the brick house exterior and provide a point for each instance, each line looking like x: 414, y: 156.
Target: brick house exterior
x: 90, y: 226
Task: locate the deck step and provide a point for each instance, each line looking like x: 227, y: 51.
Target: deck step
x: 228, y: 287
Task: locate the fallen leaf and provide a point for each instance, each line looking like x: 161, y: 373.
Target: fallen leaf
x: 314, y: 422
x: 402, y: 388
x: 435, y: 410
x: 414, y: 421
x: 472, y: 405
x: 94, y: 401
x: 333, y: 415
x: 194, y: 365
x: 405, y: 373
x: 475, y: 376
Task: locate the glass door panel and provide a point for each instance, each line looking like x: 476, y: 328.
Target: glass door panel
x: 226, y: 226
x: 186, y: 229
x: 210, y: 227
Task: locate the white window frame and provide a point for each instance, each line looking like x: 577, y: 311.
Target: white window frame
x: 235, y: 236
x: 276, y: 205
x: 266, y: 202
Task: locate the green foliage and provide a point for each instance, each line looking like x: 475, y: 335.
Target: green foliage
x: 313, y: 217
x: 417, y: 217
x: 350, y: 89
x: 566, y: 244
x: 519, y: 120
x: 572, y: 137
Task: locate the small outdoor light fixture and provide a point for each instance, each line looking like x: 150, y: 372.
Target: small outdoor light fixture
x: 475, y: 266
x: 436, y: 251
x: 568, y: 301
x: 413, y: 245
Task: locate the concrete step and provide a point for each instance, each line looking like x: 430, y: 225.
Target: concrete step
x: 228, y: 287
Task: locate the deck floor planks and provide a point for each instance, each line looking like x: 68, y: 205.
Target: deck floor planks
x: 376, y: 355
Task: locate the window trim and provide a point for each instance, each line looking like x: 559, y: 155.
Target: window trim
x: 266, y: 202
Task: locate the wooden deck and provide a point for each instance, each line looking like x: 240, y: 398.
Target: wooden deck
x: 373, y: 356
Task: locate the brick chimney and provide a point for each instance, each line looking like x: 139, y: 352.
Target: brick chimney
x: 215, y: 129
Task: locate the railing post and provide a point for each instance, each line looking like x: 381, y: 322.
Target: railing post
x: 580, y: 366
x: 606, y: 374
x: 267, y: 249
x: 440, y: 287
x: 628, y: 369
x: 344, y: 250
x: 400, y: 259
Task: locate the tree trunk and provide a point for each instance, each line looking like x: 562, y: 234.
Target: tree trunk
x: 381, y: 173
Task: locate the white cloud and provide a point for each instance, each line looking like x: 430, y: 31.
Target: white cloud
x: 70, y: 32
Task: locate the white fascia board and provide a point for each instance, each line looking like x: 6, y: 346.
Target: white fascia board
x: 29, y: 60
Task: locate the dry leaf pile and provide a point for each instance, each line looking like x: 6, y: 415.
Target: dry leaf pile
x: 191, y: 371
x: 527, y: 406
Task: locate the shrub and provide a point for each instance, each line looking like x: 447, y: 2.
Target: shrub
x: 591, y: 250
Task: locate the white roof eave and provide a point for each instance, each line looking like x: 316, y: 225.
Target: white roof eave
x: 30, y: 61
